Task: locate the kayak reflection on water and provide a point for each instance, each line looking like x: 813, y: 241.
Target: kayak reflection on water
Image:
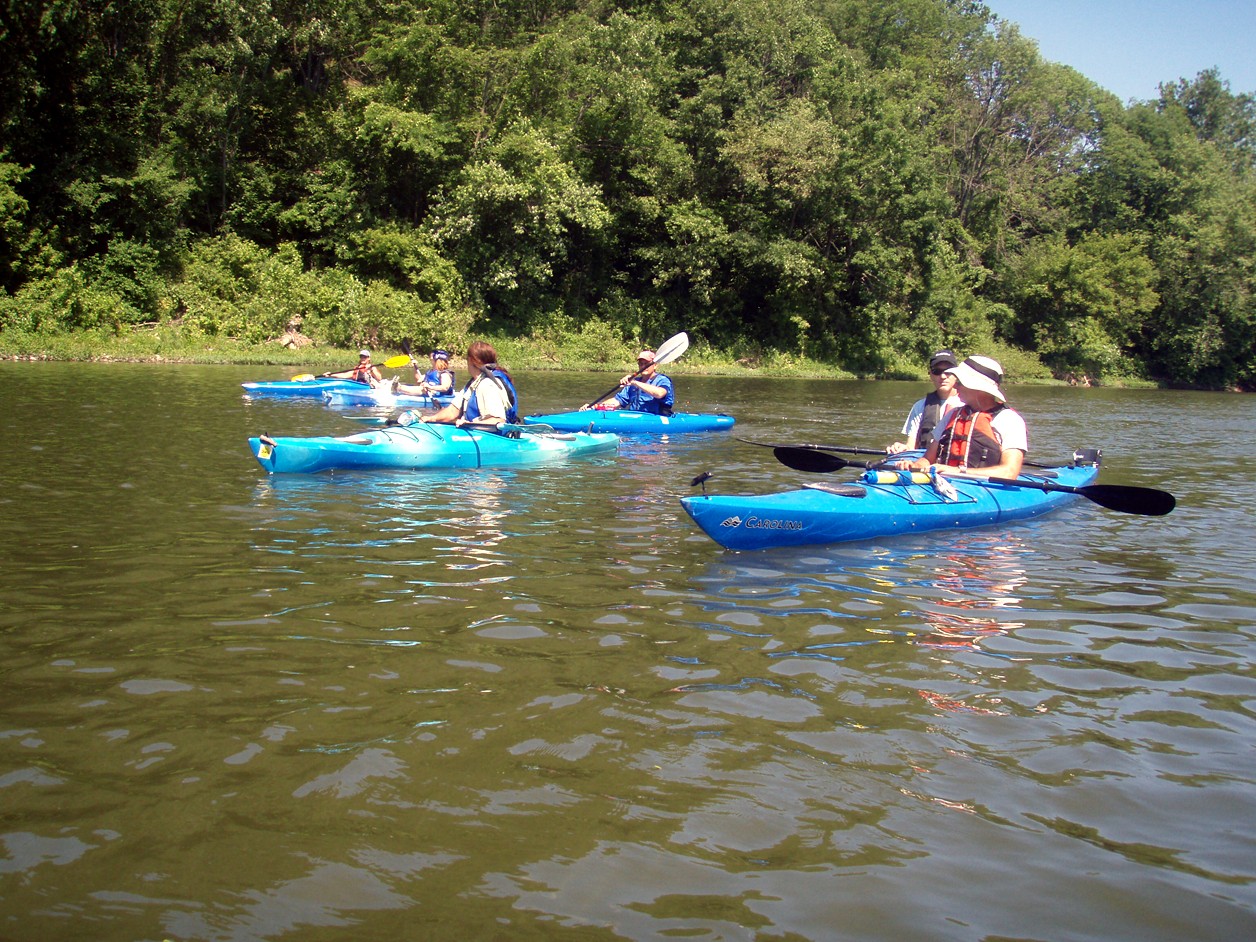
x: 980, y: 574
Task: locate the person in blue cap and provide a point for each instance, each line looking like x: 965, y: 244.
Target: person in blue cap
x: 438, y: 381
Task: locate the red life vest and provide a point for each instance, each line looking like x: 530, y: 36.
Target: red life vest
x: 968, y: 441
x: 364, y: 374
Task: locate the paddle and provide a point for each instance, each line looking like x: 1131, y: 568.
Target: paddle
x: 1128, y: 499
x: 844, y: 450
x: 860, y: 451
x: 670, y: 350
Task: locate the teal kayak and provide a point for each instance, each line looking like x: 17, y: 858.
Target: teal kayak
x: 622, y: 422
x: 879, y: 504
x: 423, y: 445
x: 300, y: 388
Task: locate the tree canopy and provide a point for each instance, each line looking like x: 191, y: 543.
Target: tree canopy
x: 861, y: 182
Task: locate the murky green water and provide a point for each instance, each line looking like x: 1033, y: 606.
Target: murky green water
x: 542, y: 705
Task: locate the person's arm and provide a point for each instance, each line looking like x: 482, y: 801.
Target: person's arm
x: 450, y: 414
x: 911, y: 429
x: 654, y: 392
x: 446, y: 415
x: 922, y: 463
x: 493, y: 401
x: 1009, y: 467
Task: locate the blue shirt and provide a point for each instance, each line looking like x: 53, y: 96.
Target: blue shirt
x: 633, y: 399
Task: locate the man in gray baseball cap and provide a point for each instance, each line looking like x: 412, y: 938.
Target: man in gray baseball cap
x: 930, y: 413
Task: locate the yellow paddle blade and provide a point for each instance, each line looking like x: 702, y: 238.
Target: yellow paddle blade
x: 397, y: 362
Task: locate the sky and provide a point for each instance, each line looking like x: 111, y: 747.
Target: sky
x: 1131, y: 46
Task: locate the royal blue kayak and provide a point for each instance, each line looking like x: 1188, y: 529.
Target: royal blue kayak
x: 300, y: 388
x: 878, y: 504
x: 383, y: 395
x: 422, y: 446
x: 621, y: 422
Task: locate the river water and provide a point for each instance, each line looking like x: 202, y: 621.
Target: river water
x: 540, y: 704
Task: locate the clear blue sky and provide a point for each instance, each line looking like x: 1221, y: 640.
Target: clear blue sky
x: 1130, y: 46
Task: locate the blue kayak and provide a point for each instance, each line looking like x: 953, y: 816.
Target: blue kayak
x: 423, y: 445
x: 299, y: 388
x: 621, y: 422
x: 878, y: 504
x: 362, y: 395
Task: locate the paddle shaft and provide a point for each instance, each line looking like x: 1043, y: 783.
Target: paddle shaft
x: 861, y: 451
x: 1145, y: 501
x: 392, y: 363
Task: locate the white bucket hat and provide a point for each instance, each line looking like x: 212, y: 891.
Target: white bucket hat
x: 982, y: 374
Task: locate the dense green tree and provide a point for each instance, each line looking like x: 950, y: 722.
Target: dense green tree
x: 860, y: 180
x: 1163, y: 175
x: 511, y: 218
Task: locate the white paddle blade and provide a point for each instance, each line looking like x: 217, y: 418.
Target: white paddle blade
x: 672, y: 349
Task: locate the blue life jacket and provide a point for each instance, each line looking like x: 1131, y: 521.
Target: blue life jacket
x: 471, y: 408
x: 433, y: 378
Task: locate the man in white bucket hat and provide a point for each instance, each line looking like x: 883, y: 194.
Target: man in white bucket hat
x: 985, y: 437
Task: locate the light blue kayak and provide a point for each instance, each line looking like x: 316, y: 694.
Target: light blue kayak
x: 314, y: 388
x: 879, y: 504
x: 622, y: 422
x: 381, y: 396
x: 423, y: 446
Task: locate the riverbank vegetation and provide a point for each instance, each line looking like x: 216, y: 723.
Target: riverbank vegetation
x: 813, y: 185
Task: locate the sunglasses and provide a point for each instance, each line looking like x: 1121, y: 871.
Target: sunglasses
x: 937, y: 372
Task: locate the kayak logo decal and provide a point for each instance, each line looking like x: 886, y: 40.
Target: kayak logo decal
x: 761, y: 523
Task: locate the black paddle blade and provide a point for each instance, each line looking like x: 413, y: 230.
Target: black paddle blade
x: 700, y: 479
x: 814, y: 462
x: 1146, y: 501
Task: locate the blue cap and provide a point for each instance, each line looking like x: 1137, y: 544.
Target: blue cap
x: 440, y: 354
